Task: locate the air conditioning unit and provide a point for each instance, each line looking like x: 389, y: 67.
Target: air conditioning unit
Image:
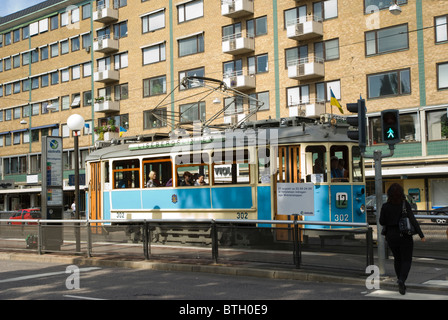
x: 299, y: 29
x: 301, y: 69
x: 232, y: 44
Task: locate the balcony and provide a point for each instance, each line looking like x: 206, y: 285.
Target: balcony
x: 238, y: 118
x: 107, y: 76
x: 105, y: 44
x: 237, y: 8
x: 305, y: 28
x: 237, y: 80
x: 306, y: 68
x: 236, y: 44
x: 307, y: 108
x: 106, y: 106
x: 105, y: 15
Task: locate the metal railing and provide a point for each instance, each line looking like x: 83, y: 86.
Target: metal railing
x: 218, y: 240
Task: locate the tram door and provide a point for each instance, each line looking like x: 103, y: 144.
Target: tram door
x: 288, y: 172
x: 95, y: 207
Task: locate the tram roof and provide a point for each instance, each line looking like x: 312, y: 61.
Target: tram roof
x: 304, y: 133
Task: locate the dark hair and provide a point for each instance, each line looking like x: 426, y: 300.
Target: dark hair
x: 395, y: 194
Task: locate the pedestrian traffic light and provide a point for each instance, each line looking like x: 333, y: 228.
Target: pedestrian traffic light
x: 358, y: 122
x: 390, y: 126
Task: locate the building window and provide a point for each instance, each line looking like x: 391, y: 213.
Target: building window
x: 191, y: 45
x: 75, y: 44
x: 153, y: 54
x: 121, y: 30
x: 257, y: 27
x: 200, y: 72
x: 154, y: 118
x: 54, y: 22
x: 442, y: 76
x: 65, y: 76
x: 262, y: 97
x: 64, y: 47
x: 153, y: 21
x: 387, y: 40
x: 437, y: 125
x: 258, y: 64
x: 297, y: 96
x: 192, y: 112
x: 121, y: 61
x: 294, y: 55
x: 441, y: 28
x: 190, y: 11
x: 121, y: 92
x: 54, y: 78
x: 154, y: 86
x: 327, y: 50
x: 54, y: 50
x: 393, y: 83
x: 409, y: 128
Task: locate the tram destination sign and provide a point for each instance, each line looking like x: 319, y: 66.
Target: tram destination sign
x: 295, y: 198
x: 175, y: 142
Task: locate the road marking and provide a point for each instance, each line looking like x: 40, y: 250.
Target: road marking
x: 407, y: 296
x: 80, y: 297
x: 43, y: 275
x: 443, y: 283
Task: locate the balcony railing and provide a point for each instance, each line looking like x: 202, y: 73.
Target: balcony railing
x: 107, y: 76
x: 104, y: 14
x: 105, y: 44
x: 107, y: 106
x: 310, y: 108
x: 237, y: 8
x: 306, y: 68
x: 305, y: 28
x: 238, y: 80
x: 238, y: 44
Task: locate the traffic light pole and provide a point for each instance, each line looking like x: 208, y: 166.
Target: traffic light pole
x: 377, y: 157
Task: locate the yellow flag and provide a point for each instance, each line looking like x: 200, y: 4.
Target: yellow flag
x: 335, y: 102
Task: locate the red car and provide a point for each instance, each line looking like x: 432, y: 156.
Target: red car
x: 26, y: 214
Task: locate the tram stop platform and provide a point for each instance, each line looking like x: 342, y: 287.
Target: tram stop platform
x: 425, y: 274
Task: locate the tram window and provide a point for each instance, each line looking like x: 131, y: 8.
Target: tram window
x: 126, y: 174
x: 157, y: 172
x: 264, y: 172
x: 231, y: 167
x: 357, y: 165
x: 190, y: 175
x: 339, y: 164
x: 192, y: 170
x: 106, y: 172
x: 316, y: 164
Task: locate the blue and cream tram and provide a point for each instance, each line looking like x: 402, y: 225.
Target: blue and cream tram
x: 231, y: 175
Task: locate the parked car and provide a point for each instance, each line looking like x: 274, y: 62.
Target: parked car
x: 443, y: 211
x: 371, y: 206
x: 32, y: 213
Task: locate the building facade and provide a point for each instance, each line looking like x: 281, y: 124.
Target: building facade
x: 114, y: 61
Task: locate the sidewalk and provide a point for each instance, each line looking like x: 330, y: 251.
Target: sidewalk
x: 427, y: 274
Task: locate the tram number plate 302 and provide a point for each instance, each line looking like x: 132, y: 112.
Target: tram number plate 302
x: 341, y: 200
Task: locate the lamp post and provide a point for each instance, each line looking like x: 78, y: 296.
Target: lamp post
x: 75, y: 123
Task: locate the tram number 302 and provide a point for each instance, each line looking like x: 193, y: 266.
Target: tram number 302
x: 343, y: 217
x: 242, y: 215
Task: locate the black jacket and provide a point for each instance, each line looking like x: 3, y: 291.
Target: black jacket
x: 391, y: 213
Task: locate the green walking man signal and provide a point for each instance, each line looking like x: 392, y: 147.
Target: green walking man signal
x: 390, y: 126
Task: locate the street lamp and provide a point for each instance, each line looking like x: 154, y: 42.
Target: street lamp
x: 395, y: 8
x: 75, y: 123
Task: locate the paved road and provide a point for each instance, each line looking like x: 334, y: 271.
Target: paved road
x: 49, y: 281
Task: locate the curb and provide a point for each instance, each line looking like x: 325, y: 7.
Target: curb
x: 229, y: 270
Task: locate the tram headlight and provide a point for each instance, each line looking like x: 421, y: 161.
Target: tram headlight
x: 362, y: 209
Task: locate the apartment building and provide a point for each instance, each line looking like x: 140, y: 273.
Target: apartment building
x: 113, y: 61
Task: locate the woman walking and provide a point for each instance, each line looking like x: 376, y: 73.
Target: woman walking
x: 401, y: 245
